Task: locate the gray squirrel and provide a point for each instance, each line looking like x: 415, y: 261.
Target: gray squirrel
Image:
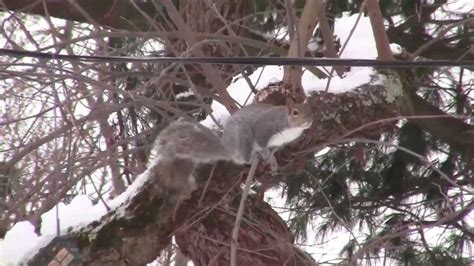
x: 263, y: 128
x: 257, y: 128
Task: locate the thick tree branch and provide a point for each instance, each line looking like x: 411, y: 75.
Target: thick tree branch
x: 378, y: 28
x: 109, y: 13
x: 304, y: 31
x: 451, y: 130
x: 327, y: 35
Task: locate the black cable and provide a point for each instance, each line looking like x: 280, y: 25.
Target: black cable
x: 251, y: 60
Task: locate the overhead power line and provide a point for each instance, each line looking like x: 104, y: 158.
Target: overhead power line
x: 251, y: 60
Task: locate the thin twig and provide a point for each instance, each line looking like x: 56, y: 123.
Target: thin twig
x: 240, y: 212
x: 441, y: 34
x: 207, y: 184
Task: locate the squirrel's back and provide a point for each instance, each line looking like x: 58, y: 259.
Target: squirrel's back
x: 190, y: 141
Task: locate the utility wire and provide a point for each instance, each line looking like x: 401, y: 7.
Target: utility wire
x: 251, y: 60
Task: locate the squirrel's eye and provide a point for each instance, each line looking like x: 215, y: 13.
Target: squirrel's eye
x: 296, y: 112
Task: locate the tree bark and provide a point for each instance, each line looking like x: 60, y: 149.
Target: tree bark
x: 109, y: 13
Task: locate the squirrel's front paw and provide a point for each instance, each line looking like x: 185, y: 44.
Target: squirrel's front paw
x: 265, y: 154
x: 268, y: 156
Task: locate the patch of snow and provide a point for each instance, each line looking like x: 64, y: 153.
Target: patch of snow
x: 133, y: 189
x: 20, y: 239
x: 361, y: 45
x: 21, y: 242
x: 458, y: 6
x: 184, y: 94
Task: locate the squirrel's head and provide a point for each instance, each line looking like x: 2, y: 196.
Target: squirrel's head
x: 299, y: 114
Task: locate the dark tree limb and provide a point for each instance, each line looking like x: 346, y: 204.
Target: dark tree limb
x: 108, y: 13
x: 451, y: 130
x: 438, y: 51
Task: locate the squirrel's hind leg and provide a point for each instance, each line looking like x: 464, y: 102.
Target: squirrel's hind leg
x: 269, y: 157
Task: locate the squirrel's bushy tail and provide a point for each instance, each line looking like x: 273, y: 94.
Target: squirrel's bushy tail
x: 177, y: 150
